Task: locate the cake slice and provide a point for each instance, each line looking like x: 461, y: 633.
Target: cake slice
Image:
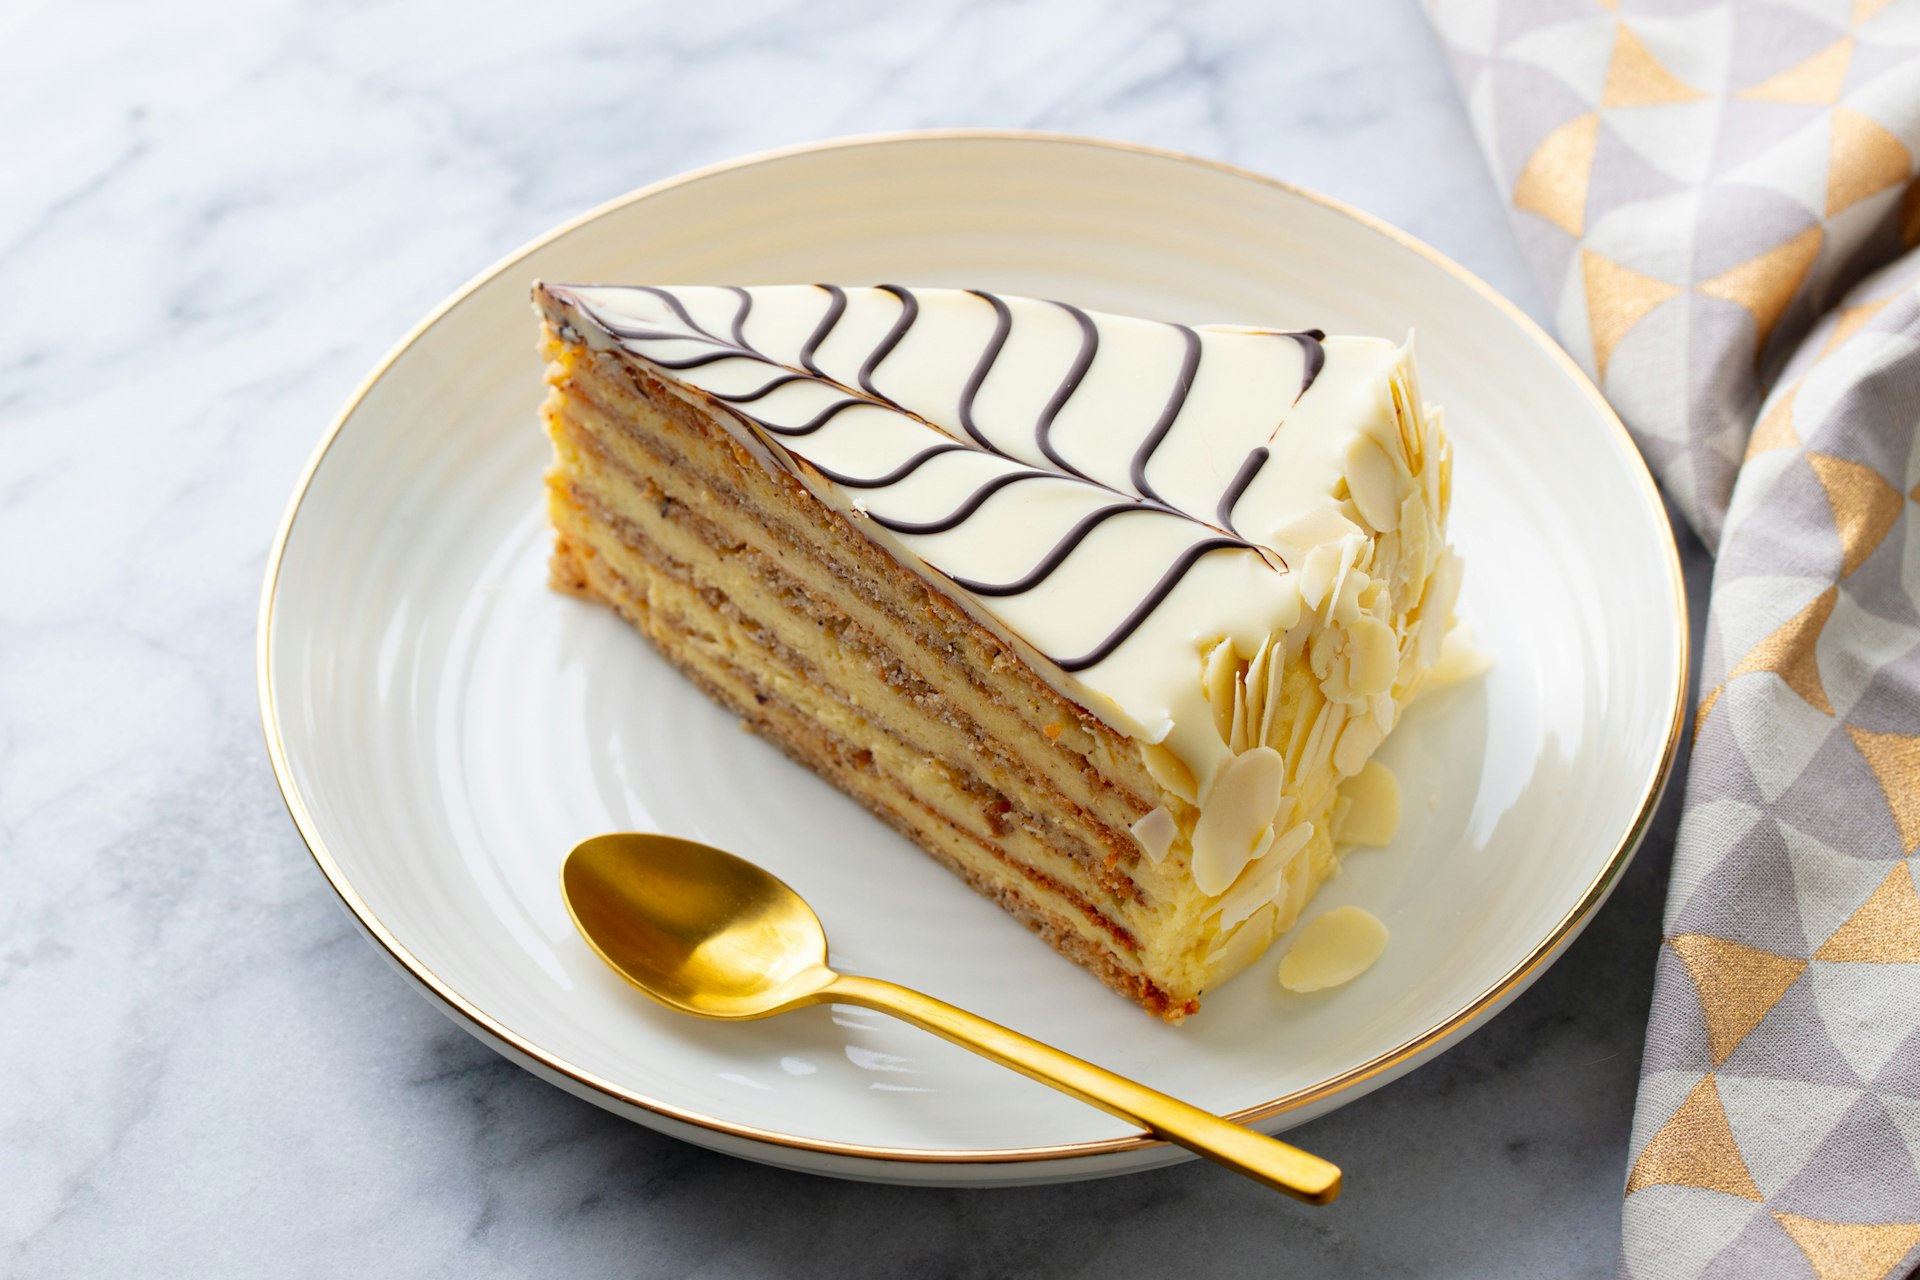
x: 1108, y: 615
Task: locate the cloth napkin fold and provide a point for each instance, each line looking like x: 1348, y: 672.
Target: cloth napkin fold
x: 1720, y: 200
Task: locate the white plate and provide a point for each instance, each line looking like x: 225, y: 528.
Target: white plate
x: 444, y: 727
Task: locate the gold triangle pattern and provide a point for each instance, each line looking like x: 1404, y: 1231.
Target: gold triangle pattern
x: 1864, y: 506
x: 1886, y: 928
x: 1738, y: 986
x: 1866, y: 159
x: 1617, y: 299
x: 1851, y: 321
x: 1553, y: 182
x: 1850, y: 1250
x: 1775, y: 428
x: 1817, y: 80
x: 1864, y: 10
x: 1790, y: 652
x: 1635, y: 77
x: 1613, y: 6
x: 1895, y: 761
x: 1695, y: 1148
x: 1766, y: 283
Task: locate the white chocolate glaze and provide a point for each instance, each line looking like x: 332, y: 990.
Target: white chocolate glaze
x: 1145, y: 510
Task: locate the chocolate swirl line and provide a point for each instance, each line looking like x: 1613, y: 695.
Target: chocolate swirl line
x: 894, y: 476
x: 694, y: 362
x: 818, y: 420
x: 1313, y: 353
x: 739, y: 328
x: 1182, y: 386
x: 1242, y: 480
x: 909, y: 312
x: 1082, y: 361
x: 1218, y: 535
x: 836, y: 307
x: 1144, y: 610
x: 964, y: 512
x: 1002, y: 326
x: 1055, y: 557
x: 771, y: 385
x: 678, y: 308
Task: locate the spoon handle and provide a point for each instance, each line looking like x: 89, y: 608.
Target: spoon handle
x: 1266, y: 1160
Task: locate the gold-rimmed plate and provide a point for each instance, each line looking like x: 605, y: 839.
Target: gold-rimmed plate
x: 444, y: 727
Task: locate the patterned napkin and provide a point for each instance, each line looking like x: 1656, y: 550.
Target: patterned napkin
x: 1720, y: 199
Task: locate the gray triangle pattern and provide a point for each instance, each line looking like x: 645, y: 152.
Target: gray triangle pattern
x: 1871, y: 420
x: 1687, y: 1228
x: 1751, y: 129
x: 1620, y: 176
x: 1684, y: 1048
x: 1738, y: 223
x: 1521, y: 132
x: 1881, y: 578
x: 1753, y: 1253
x: 1545, y: 245
x: 1901, y: 1075
x: 1804, y: 546
x: 1871, y: 61
x: 1518, y: 17
x: 1769, y: 38
x: 1750, y: 900
x: 1721, y: 770
x: 1791, y: 1043
x: 1835, y: 1184
x: 1859, y: 831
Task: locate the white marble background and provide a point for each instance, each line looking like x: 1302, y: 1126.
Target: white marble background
x: 213, y: 219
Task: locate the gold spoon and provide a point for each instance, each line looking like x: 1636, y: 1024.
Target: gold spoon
x: 707, y: 933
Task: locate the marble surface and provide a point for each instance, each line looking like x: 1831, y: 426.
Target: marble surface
x: 231, y: 214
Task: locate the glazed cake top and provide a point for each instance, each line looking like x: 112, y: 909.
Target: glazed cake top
x: 1117, y: 497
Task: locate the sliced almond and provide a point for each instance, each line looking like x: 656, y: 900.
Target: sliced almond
x: 1237, y: 735
x: 1242, y: 946
x: 1373, y: 656
x: 1373, y: 482
x: 1460, y: 659
x: 1343, y: 604
x: 1322, y: 524
x: 1436, y: 606
x: 1373, y: 814
x: 1235, y: 817
x: 1257, y: 681
x: 1216, y: 681
x: 1311, y: 707
x: 1326, y: 732
x: 1317, y: 573
x: 1333, y: 949
x: 1171, y: 772
x: 1358, y: 741
x: 1155, y: 832
x: 1254, y: 889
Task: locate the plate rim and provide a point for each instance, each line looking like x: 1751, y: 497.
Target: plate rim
x: 490, y: 1029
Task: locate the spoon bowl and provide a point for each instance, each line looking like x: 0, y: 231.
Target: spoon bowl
x: 695, y: 927
x: 707, y: 933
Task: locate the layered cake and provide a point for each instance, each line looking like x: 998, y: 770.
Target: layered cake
x: 1108, y: 615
